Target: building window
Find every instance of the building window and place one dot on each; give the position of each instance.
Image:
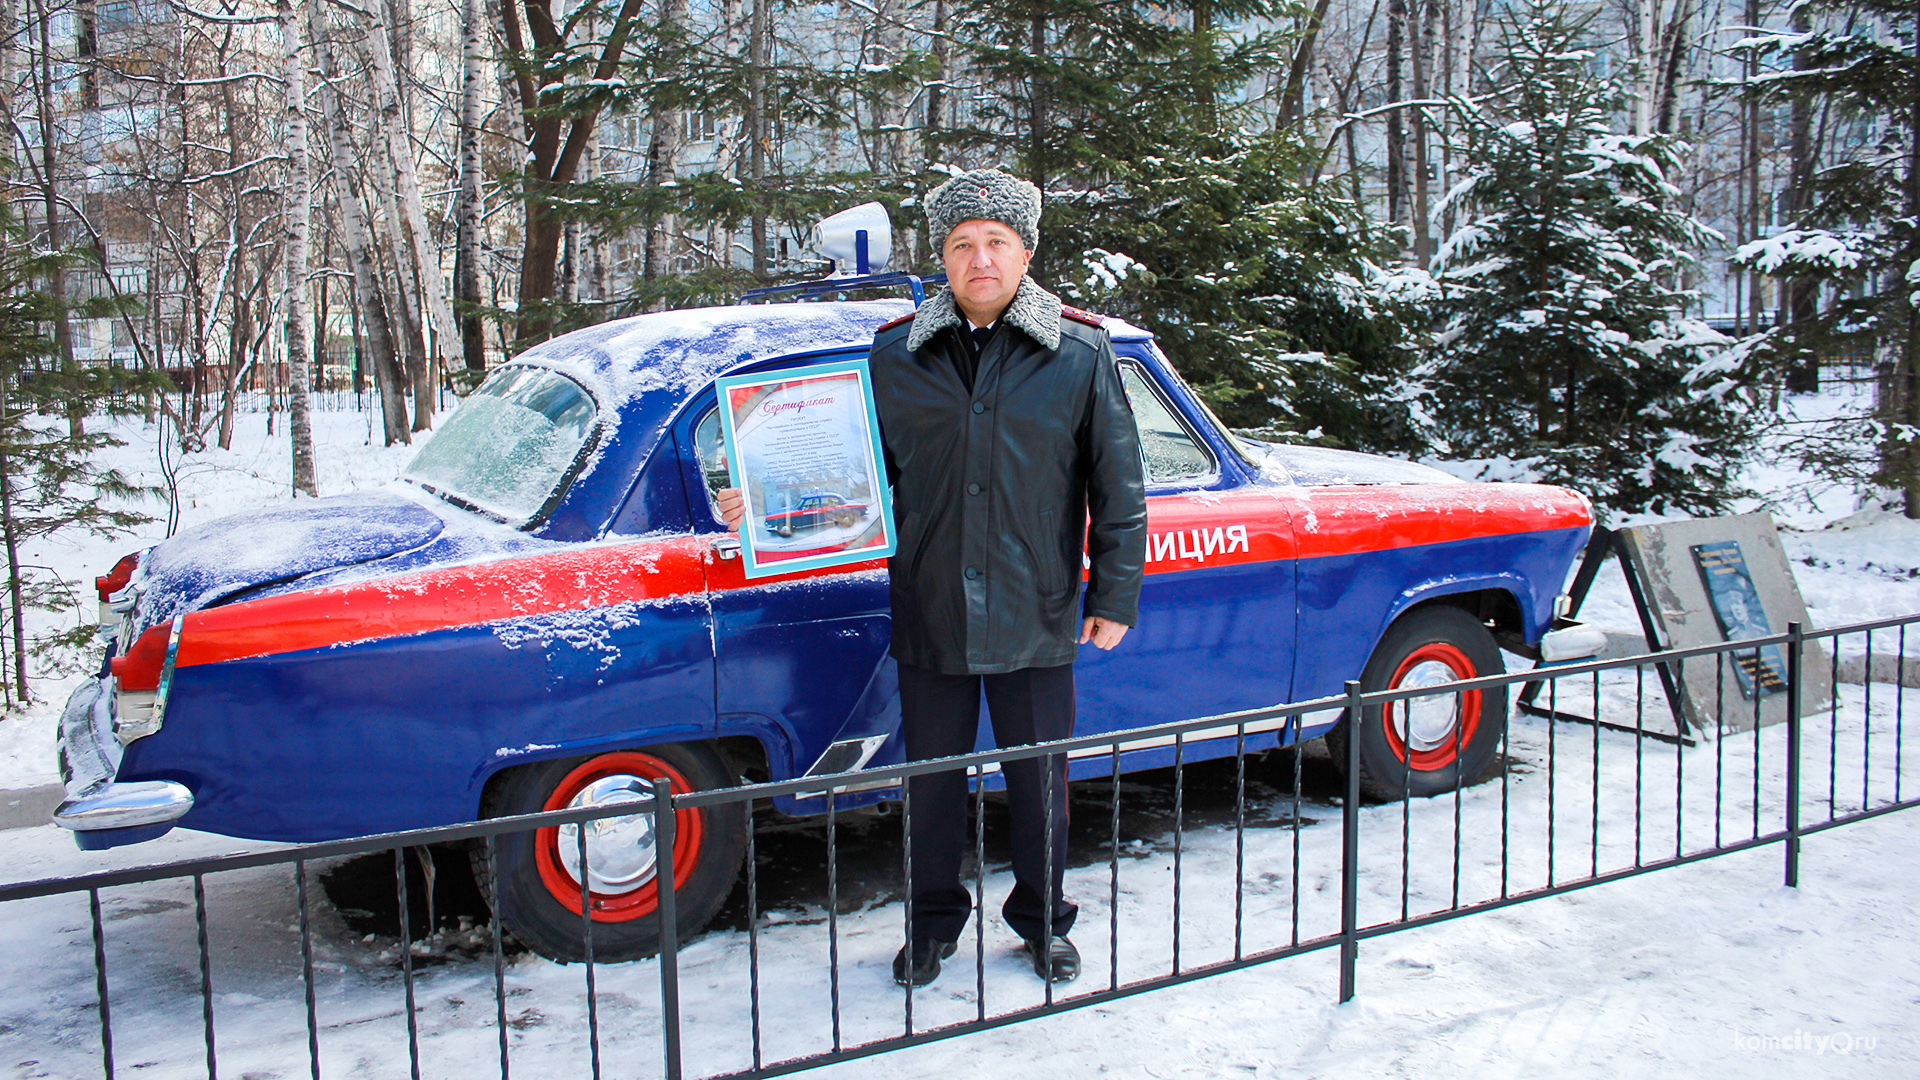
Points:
(698, 126)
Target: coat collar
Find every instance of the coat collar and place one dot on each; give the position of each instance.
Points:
(1034, 311)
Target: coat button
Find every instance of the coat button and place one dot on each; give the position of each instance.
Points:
(979, 408)
(972, 572)
(973, 489)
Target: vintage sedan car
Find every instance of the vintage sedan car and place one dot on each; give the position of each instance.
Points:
(546, 611)
(816, 510)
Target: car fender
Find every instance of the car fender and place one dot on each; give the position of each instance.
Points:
(1514, 585)
(510, 757)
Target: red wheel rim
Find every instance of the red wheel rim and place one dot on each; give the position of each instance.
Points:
(642, 899)
(1465, 706)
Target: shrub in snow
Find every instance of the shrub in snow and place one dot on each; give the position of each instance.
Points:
(1563, 342)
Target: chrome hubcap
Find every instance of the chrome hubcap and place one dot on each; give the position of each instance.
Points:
(1427, 723)
(620, 850)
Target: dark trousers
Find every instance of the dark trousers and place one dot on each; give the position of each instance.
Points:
(940, 717)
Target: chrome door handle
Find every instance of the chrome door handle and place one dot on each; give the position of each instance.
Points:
(726, 547)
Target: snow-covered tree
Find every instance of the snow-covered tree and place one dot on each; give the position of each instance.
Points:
(50, 477)
(1268, 291)
(1565, 350)
(1859, 235)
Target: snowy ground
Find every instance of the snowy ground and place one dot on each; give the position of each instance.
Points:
(1711, 970)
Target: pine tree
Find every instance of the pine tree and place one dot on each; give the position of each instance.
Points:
(49, 480)
(1170, 202)
(1859, 233)
(1564, 346)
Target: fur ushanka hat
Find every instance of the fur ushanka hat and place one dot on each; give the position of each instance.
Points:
(986, 195)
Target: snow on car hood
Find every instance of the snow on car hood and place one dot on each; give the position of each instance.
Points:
(207, 563)
(1319, 466)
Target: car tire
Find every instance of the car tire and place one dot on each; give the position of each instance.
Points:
(844, 521)
(1426, 746)
(537, 897)
(785, 530)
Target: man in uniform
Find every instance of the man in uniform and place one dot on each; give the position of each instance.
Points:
(1012, 449)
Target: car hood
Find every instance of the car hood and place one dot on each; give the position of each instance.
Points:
(218, 561)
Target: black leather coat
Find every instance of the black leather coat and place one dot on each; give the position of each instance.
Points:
(997, 489)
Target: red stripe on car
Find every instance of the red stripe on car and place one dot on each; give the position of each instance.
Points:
(1185, 532)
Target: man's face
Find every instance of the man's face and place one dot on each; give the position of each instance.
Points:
(984, 261)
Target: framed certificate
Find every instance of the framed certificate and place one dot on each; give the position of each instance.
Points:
(804, 447)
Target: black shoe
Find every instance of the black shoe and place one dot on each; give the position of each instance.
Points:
(927, 954)
(1056, 960)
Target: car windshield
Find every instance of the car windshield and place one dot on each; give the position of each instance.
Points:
(510, 443)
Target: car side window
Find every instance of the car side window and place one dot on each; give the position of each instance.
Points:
(712, 450)
(1171, 451)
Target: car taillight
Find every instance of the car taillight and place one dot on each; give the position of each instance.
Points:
(116, 579)
(112, 584)
(141, 678)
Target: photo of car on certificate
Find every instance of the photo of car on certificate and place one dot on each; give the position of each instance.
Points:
(804, 447)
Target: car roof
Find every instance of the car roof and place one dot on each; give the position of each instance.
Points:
(675, 353)
(678, 352)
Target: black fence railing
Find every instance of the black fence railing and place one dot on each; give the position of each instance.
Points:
(1208, 867)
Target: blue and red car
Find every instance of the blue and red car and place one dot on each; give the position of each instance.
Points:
(546, 611)
(816, 510)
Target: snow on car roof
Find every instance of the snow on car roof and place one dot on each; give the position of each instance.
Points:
(681, 351)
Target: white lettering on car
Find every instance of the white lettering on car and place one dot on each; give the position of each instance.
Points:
(1197, 544)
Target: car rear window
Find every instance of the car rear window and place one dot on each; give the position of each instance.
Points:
(510, 444)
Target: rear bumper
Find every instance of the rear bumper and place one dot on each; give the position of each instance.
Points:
(104, 812)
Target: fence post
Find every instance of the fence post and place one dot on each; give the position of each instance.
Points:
(663, 871)
(1795, 652)
(1350, 848)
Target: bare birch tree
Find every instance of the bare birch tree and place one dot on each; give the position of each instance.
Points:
(358, 242)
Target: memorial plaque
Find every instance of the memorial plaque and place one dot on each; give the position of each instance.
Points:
(1711, 580)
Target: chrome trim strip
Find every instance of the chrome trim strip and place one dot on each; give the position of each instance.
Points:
(87, 745)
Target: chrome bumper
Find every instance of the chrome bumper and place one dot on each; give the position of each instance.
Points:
(90, 757)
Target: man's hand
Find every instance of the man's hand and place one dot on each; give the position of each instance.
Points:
(1104, 633)
(733, 507)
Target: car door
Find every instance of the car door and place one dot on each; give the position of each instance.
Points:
(1217, 608)
(800, 660)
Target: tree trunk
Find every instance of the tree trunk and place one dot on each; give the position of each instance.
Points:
(1290, 113)
(1036, 106)
(1204, 58)
(937, 87)
(663, 163)
(1906, 414)
(757, 131)
(1801, 296)
(299, 211)
(47, 107)
(1422, 62)
(9, 531)
(403, 304)
(366, 289)
(1396, 123)
(1751, 167)
(554, 148)
(391, 117)
(466, 258)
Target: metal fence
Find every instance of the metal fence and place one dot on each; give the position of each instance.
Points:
(1571, 805)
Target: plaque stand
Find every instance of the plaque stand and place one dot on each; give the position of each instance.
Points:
(1606, 544)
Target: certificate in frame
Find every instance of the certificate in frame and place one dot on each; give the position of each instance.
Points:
(803, 447)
